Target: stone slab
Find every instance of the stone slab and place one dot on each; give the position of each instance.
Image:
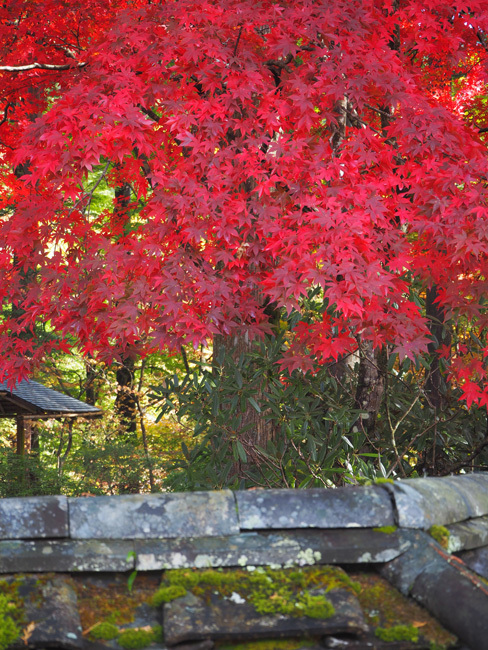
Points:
(457, 601)
(191, 619)
(423, 502)
(477, 561)
(65, 555)
(348, 507)
(283, 548)
(139, 516)
(404, 570)
(467, 535)
(51, 618)
(33, 517)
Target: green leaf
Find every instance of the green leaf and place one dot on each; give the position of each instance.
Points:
(254, 404)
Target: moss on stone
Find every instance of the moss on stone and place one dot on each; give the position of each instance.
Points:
(167, 594)
(134, 639)
(105, 630)
(292, 592)
(440, 534)
(386, 607)
(382, 481)
(268, 644)
(11, 612)
(398, 633)
(388, 530)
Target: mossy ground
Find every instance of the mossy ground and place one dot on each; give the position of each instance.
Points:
(386, 608)
(11, 613)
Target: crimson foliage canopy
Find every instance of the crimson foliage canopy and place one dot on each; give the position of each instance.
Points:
(255, 151)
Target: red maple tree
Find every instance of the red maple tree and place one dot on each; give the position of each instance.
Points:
(255, 150)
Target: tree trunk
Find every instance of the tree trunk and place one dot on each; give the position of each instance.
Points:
(370, 387)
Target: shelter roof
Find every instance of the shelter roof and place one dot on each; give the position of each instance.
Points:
(398, 565)
(31, 399)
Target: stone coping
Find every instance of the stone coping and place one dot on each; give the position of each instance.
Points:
(413, 503)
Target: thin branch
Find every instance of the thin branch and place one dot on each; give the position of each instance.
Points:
(238, 39)
(5, 113)
(41, 66)
(150, 113)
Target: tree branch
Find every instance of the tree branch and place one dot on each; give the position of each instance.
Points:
(41, 66)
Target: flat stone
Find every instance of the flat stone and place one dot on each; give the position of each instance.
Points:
(283, 548)
(468, 534)
(65, 555)
(33, 517)
(139, 516)
(477, 561)
(51, 618)
(423, 502)
(191, 618)
(348, 507)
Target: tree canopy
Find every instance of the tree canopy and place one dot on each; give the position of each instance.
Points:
(252, 152)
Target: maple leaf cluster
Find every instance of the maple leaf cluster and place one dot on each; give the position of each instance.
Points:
(262, 150)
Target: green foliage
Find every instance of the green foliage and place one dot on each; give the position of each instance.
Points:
(398, 633)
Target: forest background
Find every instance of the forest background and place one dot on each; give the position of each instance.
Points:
(255, 234)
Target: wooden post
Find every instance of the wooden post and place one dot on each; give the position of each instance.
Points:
(20, 435)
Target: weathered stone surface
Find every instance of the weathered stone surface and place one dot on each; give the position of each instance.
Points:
(348, 507)
(423, 502)
(403, 570)
(33, 517)
(477, 561)
(468, 534)
(65, 555)
(284, 548)
(458, 602)
(51, 618)
(474, 490)
(141, 516)
(190, 618)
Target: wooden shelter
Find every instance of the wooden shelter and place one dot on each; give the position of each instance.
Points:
(30, 401)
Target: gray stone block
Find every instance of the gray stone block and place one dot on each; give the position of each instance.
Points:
(456, 600)
(139, 516)
(65, 555)
(468, 534)
(474, 490)
(477, 561)
(50, 616)
(33, 517)
(423, 502)
(349, 507)
(191, 619)
(284, 548)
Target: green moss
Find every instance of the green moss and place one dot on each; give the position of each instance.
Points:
(291, 592)
(167, 594)
(11, 613)
(382, 481)
(388, 530)
(135, 639)
(398, 633)
(268, 644)
(105, 630)
(440, 534)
